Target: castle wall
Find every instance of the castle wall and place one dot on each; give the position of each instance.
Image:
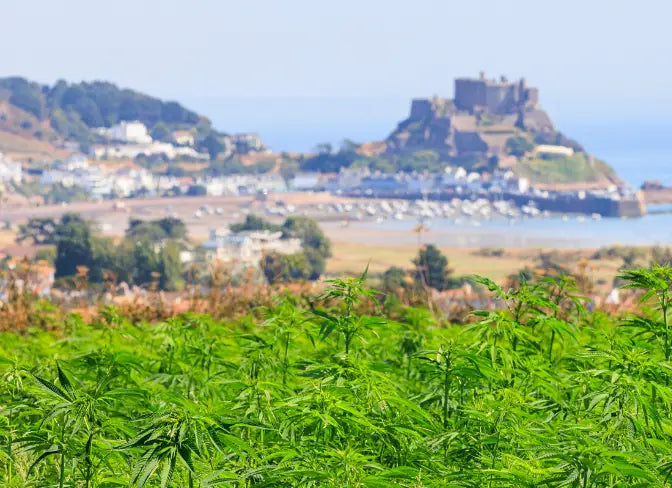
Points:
(496, 97)
(532, 97)
(469, 93)
(421, 108)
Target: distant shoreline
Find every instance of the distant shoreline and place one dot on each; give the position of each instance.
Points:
(535, 233)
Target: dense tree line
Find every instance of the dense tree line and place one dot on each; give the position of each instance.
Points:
(72, 109)
(328, 160)
(148, 255)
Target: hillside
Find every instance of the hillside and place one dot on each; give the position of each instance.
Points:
(64, 112)
(496, 123)
(487, 125)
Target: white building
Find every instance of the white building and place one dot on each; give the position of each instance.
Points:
(248, 142)
(248, 247)
(549, 150)
(132, 151)
(349, 178)
(68, 173)
(10, 171)
(183, 137)
(126, 131)
(306, 181)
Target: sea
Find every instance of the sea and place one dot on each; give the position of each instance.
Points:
(636, 140)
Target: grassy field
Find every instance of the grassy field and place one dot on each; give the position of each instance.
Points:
(352, 258)
(574, 169)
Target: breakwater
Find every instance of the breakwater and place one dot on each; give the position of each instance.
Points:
(557, 202)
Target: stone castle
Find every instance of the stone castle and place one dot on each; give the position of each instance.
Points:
(476, 124)
(495, 97)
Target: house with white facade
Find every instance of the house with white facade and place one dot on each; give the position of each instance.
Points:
(247, 247)
(126, 131)
(10, 171)
(184, 137)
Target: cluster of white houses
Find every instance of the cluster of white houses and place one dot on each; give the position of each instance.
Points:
(122, 181)
(131, 139)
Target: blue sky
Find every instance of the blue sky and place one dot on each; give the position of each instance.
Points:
(571, 48)
(340, 64)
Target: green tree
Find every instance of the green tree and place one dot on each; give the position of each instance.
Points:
(283, 268)
(146, 262)
(432, 268)
(74, 247)
(254, 223)
(420, 161)
(288, 169)
(161, 132)
(212, 145)
(42, 230)
(109, 257)
(393, 280)
(518, 146)
(170, 267)
(309, 232)
(156, 230)
(197, 191)
(316, 263)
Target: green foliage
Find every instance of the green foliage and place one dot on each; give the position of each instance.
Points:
(431, 268)
(308, 230)
(211, 144)
(197, 191)
(233, 166)
(328, 161)
(535, 392)
(150, 253)
(254, 223)
(170, 267)
(308, 264)
(558, 139)
(161, 132)
(518, 146)
(157, 230)
(72, 109)
(576, 168)
(283, 268)
(41, 230)
(25, 95)
(60, 193)
(420, 161)
(74, 246)
(288, 169)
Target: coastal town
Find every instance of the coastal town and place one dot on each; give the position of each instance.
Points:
(489, 154)
(492, 142)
